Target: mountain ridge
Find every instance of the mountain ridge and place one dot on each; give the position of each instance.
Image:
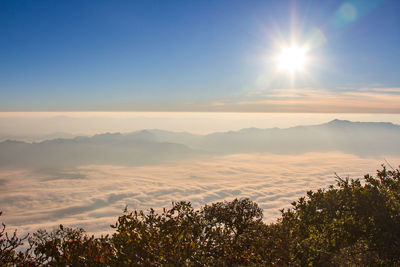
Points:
(155, 146)
(334, 122)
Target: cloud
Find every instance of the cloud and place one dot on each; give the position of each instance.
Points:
(32, 200)
(364, 100)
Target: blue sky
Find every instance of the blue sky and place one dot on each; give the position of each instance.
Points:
(198, 56)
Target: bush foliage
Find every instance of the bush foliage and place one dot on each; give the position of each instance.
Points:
(352, 223)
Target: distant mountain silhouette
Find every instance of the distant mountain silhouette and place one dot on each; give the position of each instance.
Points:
(360, 138)
(156, 146)
(132, 149)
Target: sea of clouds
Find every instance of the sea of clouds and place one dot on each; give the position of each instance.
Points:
(94, 196)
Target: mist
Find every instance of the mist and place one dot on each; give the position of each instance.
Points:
(86, 180)
(93, 196)
(39, 126)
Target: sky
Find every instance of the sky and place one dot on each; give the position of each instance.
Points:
(199, 56)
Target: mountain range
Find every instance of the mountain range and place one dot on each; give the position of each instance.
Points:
(144, 147)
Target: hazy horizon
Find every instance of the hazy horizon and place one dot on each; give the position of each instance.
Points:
(37, 126)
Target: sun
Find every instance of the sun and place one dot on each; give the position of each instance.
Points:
(292, 58)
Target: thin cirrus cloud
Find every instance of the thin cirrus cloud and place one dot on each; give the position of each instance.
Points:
(364, 100)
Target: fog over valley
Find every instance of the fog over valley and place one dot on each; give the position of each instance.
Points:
(93, 196)
(87, 181)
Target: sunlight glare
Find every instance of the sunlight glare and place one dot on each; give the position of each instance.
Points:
(292, 58)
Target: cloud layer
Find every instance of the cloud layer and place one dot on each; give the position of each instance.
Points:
(364, 100)
(94, 196)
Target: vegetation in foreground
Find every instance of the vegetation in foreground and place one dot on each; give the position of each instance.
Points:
(352, 223)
